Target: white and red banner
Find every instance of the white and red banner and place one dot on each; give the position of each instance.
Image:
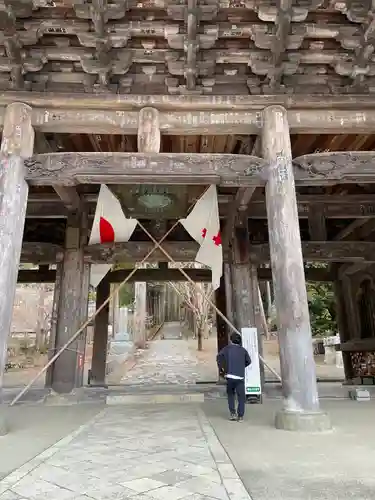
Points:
(110, 226)
(203, 224)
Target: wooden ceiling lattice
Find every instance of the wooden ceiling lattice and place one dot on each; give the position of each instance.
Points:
(220, 47)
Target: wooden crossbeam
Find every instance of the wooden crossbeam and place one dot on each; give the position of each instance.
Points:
(334, 206)
(49, 275)
(195, 121)
(328, 251)
(185, 251)
(68, 169)
(114, 102)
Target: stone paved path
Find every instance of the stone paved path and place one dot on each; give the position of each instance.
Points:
(168, 361)
(144, 453)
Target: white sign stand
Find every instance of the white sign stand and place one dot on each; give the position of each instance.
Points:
(253, 385)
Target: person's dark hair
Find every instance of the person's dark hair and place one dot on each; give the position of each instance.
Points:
(236, 338)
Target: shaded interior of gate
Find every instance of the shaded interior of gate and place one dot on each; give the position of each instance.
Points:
(333, 220)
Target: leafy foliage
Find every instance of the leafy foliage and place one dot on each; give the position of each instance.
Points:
(322, 308)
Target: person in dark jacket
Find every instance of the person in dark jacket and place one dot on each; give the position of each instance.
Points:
(232, 360)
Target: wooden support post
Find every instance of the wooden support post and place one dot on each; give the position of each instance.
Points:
(115, 314)
(64, 373)
(301, 403)
(140, 311)
(221, 326)
(54, 319)
(343, 322)
(99, 350)
(245, 288)
(317, 223)
(16, 145)
(228, 292)
(81, 342)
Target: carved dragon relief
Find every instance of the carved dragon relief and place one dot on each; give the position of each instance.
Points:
(75, 168)
(345, 166)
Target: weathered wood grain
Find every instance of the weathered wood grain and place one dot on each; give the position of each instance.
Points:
(99, 351)
(296, 354)
(157, 168)
(64, 372)
(334, 206)
(135, 251)
(199, 122)
(159, 275)
(329, 251)
(185, 251)
(41, 253)
(311, 274)
(50, 276)
(67, 169)
(342, 167)
(17, 144)
(148, 131)
(114, 102)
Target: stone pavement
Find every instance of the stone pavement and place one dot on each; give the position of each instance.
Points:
(137, 453)
(168, 361)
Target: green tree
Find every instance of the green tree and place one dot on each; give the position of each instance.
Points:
(322, 306)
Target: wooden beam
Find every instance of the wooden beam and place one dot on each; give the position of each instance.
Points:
(239, 204)
(114, 102)
(69, 196)
(41, 253)
(195, 121)
(317, 223)
(67, 169)
(185, 251)
(311, 274)
(328, 251)
(135, 251)
(335, 206)
(164, 274)
(157, 275)
(350, 228)
(341, 167)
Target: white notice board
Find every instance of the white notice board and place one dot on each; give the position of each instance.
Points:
(252, 372)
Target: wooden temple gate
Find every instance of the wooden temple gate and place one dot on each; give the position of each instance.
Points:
(270, 100)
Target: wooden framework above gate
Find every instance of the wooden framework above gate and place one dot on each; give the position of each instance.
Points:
(190, 47)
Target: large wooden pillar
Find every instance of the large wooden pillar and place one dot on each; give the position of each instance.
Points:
(246, 311)
(343, 321)
(221, 326)
(301, 404)
(140, 312)
(54, 318)
(99, 351)
(17, 144)
(81, 343)
(70, 311)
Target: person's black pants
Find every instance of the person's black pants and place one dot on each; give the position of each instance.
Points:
(236, 386)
